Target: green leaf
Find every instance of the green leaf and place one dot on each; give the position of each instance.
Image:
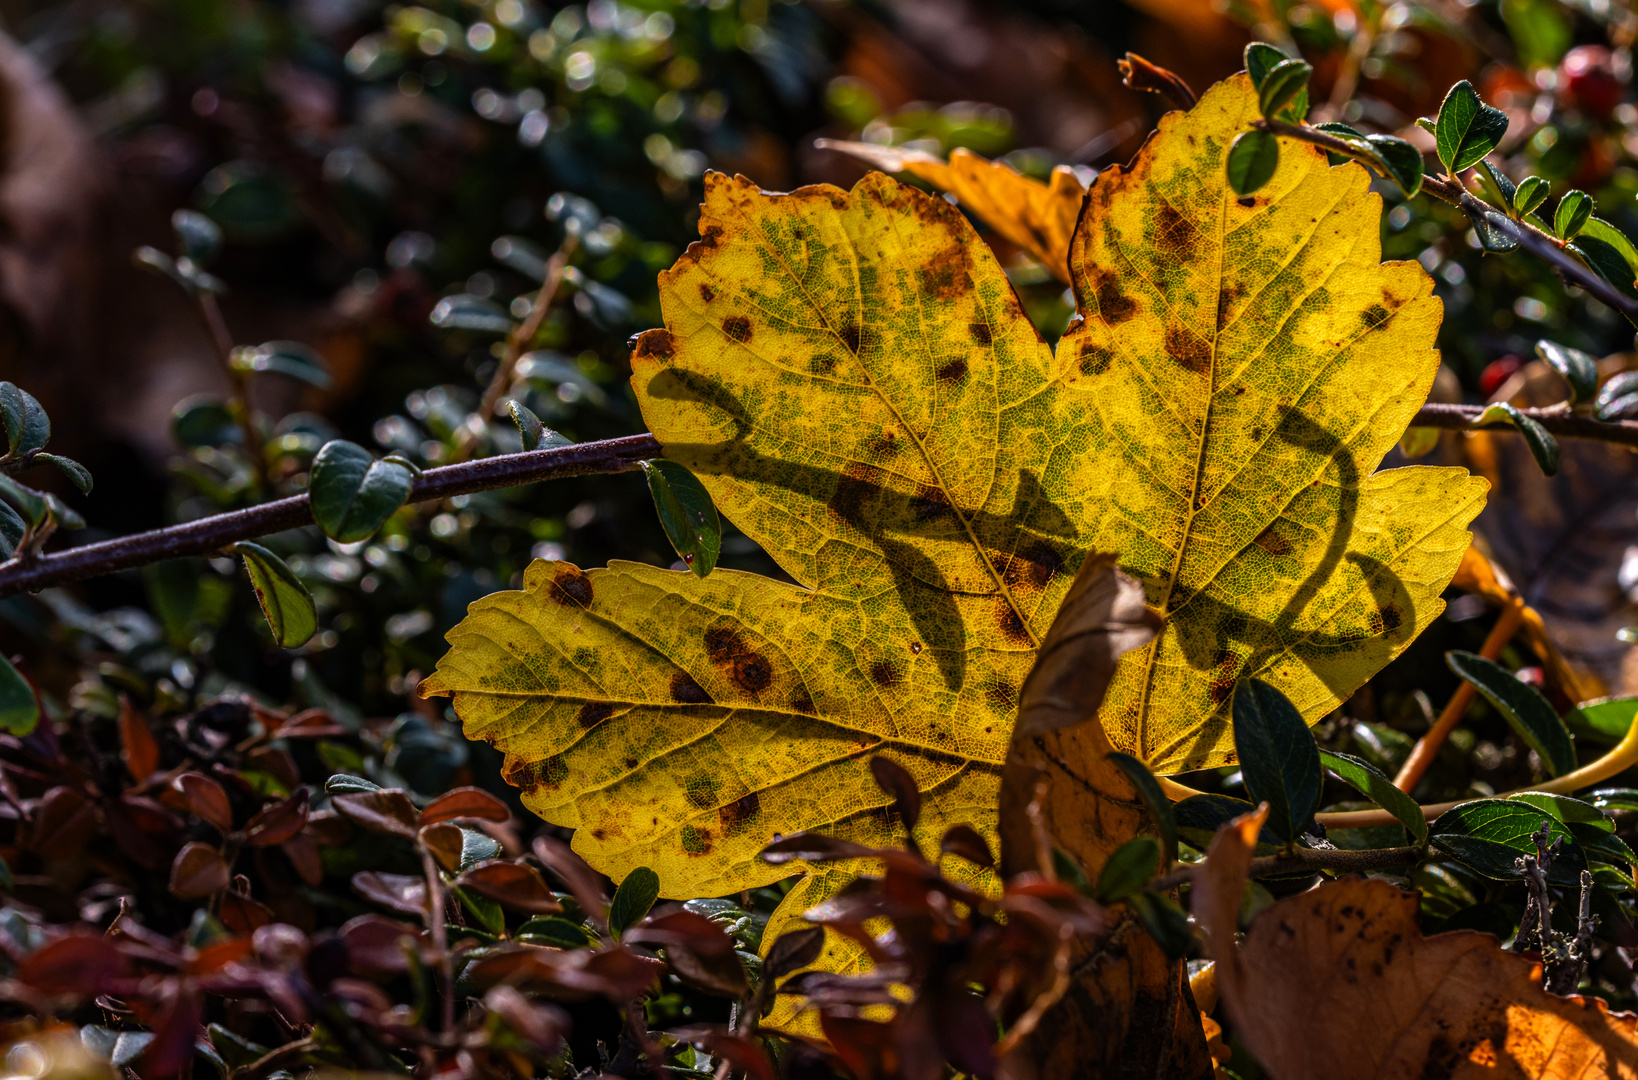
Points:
(686, 512)
(342, 784)
(1166, 923)
(28, 428)
(1543, 447)
(555, 932)
(288, 358)
(12, 529)
(1374, 784)
(1610, 264)
(1578, 369)
(197, 236)
(1278, 92)
(468, 312)
(1467, 128)
(1252, 160)
(1571, 216)
(1605, 720)
(1532, 192)
(1491, 228)
(19, 708)
(285, 601)
(203, 420)
(25, 500)
(77, 473)
(1279, 761)
(1129, 868)
(352, 494)
(1069, 871)
(489, 914)
(1529, 713)
(1486, 835)
(1565, 809)
(1154, 799)
(1404, 161)
(64, 515)
(1615, 798)
(536, 435)
(633, 898)
(1426, 125)
(1500, 184)
(477, 847)
(1200, 816)
(1341, 131)
(1622, 408)
(1260, 59)
(1601, 846)
(1596, 228)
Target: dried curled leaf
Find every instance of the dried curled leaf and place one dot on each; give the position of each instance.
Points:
(1339, 982)
(1040, 218)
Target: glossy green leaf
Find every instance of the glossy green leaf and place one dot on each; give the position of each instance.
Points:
(65, 516)
(1277, 93)
(1530, 714)
(1498, 183)
(286, 603)
(1252, 161)
(12, 529)
(1342, 131)
(1154, 799)
(1260, 59)
(1568, 810)
(28, 428)
(1615, 799)
(197, 236)
(1279, 760)
(1578, 369)
(468, 312)
(342, 784)
(1610, 264)
(1374, 784)
(1200, 816)
(1622, 408)
(203, 420)
(1532, 192)
(477, 847)
(487, 912)
(352, 494)
(1166, 922)
(535, 435)
(1491, 227)
(1069, 871)
(687, 513)
(1404, 161)
(1128, 869)
(1543, 447)
(555, 932)
(28, 503)
(633, 899)
(1624, 384)
(1596, 228)
(1486, 835)
(77, 474)
(1573, 211)
(291, 359)
(1467, 129)
(1601, 846)
(19, 708)
(1605, 720)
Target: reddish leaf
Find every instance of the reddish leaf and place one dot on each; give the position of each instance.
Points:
(277, 823)
(511, 884)
(206, 799)
(814, 847)
(465, 802)
(144, 831)
(138, 749)
(304, 858)
(861, 1044)
(378, 947)
(573, 871)
(281, 945)
(623, 973)
(897, 782)
(328, 828)
(698, 951)
(276, 763)
(197, 872)
(241, 914)
(444, 842)
(219, 954)
(63, 824)
(963, 840)
(174, 1037)
(400, 892)
(542, 1026)
(744, 1054)
(793, 951)
(81, 963)
(386, 811)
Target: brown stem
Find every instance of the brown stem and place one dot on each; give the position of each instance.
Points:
(520, 337)
(440, 937)
(212, 311)
(1451, 191)
(212, 534)
(1428, 746)
(1300, 859)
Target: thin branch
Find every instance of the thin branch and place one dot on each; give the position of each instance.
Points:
(211, 534)
(1300, 859)
(1447, 190)
(1558, 421)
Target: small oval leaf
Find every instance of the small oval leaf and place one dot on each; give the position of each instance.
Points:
(687, 513)
(1487, 835)
(1529, 713)
(1252, 161)
(1279, 760)
(1543, 447)
(286, 603)
(1374, 784)
(1128, 869)
(1578, 369)
(352, 494)
(633, 899)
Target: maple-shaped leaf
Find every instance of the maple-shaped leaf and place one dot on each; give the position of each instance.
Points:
(854, 381)
(1038, 217)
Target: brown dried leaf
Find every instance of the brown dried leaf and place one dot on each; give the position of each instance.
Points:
(793, 951)
(444, 842)
(744, 1054)
(465, 802)
(379, 947)
(512, 885)
(1129, 1012)
(243, 915)
(965, 841)
(386, 811)
(206, 800)
(400, 892)
(698, 951)
(63, 825)
(277, 823)
(198, 871)
(138, 749)
(1339, 982)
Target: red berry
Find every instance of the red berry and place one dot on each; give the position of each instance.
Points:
(1497, 372)
(1587, 80)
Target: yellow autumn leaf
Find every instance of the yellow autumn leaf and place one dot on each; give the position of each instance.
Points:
(854, 381)
(1040, 218)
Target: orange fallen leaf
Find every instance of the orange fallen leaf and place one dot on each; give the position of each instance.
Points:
(1339, 982)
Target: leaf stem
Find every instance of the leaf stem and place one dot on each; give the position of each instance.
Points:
(1450, 190)
(212, 312)
(1300, 859)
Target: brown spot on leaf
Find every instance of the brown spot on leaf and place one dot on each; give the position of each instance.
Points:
(593, 713)
(696, 841)
(1114, 305)
(1041, 563)
(944, 277)
(954, 371)
(885, 673)
(1247, 201)
(723, 643)
(752, 673)
(980, 332)
(851, 338)
(803, 703)
(737, 327)
(1003, 697)
(571, 586)
(747, 669)
(531, 776)
(1272, 542)
(659, 344)
(1375, 316)
(1174, 233)
(884, 445)
(1012, 625)
(929, 502)
(686, 691)
(1385, 618)
(739, 813)
(1188, 350)
(1095, 358)
(1225, 672)
(707, 293)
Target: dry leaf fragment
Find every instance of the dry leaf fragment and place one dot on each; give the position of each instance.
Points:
(1339, 982)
